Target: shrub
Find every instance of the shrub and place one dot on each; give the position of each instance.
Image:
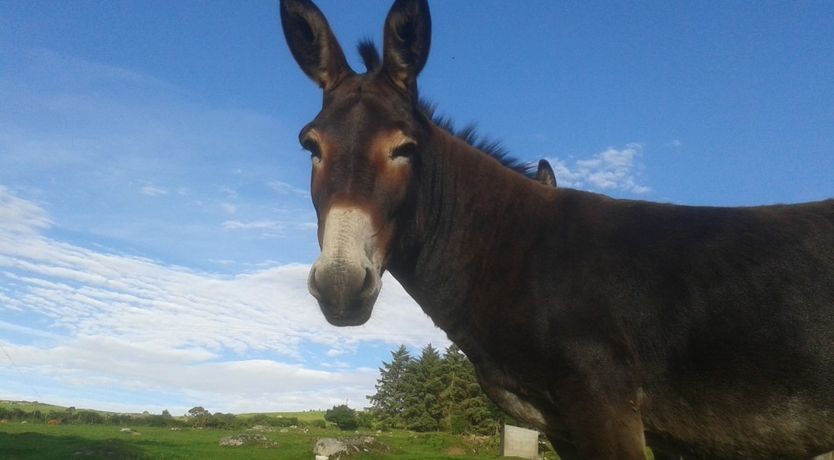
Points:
(343, 416)
(317, 423)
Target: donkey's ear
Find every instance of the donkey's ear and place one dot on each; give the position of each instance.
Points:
(312, 43)
(407, 38)
(545, 173)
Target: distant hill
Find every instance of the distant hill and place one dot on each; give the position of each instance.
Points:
(30, 406)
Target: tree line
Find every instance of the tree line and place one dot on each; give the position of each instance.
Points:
(196, 417)
(432, 392)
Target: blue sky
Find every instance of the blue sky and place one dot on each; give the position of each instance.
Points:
(155, 223)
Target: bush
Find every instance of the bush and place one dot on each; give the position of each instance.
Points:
(343, 416)
(90, 418)
(284, 421)
(365, 419)
(317, 423)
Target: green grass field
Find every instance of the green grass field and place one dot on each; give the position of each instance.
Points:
(41, 441)
(29, 406)
(33, 441)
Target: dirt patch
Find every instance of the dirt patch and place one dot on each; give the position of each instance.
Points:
(455, 451)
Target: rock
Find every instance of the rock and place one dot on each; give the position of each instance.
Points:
(262, 428)
(231, 441)
(176, 428)
(247, 439)
(125, 430)
(337, 449)
(284, 430)
(329, 446)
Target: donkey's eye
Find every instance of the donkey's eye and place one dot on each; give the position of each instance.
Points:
(404, 150)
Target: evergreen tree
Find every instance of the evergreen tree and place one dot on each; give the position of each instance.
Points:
(456, 389)
(423, 383)
(389, 401)
(466, 409)
(433, 393)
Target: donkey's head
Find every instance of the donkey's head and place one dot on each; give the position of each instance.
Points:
(364, 146)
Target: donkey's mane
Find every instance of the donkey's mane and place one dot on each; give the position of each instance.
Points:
(371, 58)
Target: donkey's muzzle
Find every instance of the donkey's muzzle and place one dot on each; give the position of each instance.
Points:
(346, 292)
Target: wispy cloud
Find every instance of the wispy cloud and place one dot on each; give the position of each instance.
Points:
(19, 216)
(151, 190)
(229, 192)
(285, 188)
(109, 146)
(611, 169)
(233, 342)
(265, 228)
(307, 226)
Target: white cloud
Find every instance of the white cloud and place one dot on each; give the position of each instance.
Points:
(609, 170)
(235, 343)
(229, 192)
(333, 352)
(266, 228)
(151, 190)
(307, 226)
(18, 216)
(285, 188)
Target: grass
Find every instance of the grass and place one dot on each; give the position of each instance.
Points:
(27, 406)
(40, 441)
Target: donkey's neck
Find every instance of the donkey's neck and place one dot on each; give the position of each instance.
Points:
(472, 213)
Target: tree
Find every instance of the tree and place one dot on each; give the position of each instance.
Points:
(343, 416)
(466, 408)
(199, 416)
(197, 411)
(366, 419)
(433, 393)
(456, 390)
(90, 417)
(389, 401)
(422, 384)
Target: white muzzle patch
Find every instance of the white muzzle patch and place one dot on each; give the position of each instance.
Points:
(346, 277)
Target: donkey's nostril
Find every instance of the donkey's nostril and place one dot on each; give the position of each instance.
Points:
(339, 284)
(369, 281)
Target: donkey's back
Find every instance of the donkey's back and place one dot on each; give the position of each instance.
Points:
(729, 313)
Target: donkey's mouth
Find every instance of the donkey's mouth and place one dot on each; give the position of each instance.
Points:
(339, 318)
(345, 295)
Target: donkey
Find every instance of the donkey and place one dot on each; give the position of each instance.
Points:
(605, 323)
